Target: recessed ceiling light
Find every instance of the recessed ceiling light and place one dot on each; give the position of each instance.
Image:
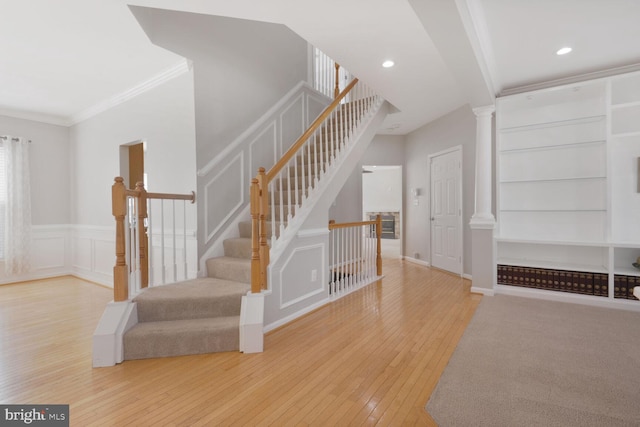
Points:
(563, 51)
(388, 63)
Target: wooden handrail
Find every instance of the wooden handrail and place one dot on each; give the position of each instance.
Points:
(273, 172)
(170, 196)
(260, 196)
(378, 223)
(333, 225)
(165, 196)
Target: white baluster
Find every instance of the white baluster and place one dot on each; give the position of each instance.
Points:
(184, 238)
(162, 241)
(175, 263)
(150, 250)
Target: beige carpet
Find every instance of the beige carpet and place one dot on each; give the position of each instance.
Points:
(528, 362)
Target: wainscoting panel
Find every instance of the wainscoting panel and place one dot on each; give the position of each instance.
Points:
(267, 139)
(46, 253)
(292, 123)
(223, 196)
(302, 275)
(50, 254)
(262, 151)
(93, 253)
(315, 106)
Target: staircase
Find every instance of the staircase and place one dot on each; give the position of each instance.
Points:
(203, 315)
(195, 316)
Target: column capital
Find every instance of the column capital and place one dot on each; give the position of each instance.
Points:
(485, 110)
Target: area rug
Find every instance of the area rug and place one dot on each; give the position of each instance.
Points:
(529, 362)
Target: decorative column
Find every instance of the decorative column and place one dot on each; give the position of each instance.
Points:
(483, 250)
(482, 217)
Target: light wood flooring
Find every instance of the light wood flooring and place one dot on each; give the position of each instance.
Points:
(372, 357)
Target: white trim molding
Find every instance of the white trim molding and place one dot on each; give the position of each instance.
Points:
(170, 73)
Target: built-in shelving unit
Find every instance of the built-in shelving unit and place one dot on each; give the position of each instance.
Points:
(567, 196)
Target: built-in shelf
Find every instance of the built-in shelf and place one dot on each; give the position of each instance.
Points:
(553, 210)
(567, 182)
(625, 134)
(578, 178)
(552, 146)
(625, 105)
(587, 268)
(544, 125)
(552, 242)
(627, 271)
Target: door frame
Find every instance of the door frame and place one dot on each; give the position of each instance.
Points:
(125, 161)
(400, 207)
(459, 149)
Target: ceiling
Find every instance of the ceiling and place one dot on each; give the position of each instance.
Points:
(61, 62)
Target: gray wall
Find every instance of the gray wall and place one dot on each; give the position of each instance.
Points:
(456, 128)
(242, 68)
(383, 150)
(49, 168)
(164, 118)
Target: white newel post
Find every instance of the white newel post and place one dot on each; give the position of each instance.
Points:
(483, 222)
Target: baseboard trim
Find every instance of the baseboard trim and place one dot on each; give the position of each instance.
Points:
(483, 291)
(97, 278)
(566, 297)
(281, 322)
(417, 261)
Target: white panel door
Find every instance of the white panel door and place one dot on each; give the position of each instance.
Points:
(446, 211)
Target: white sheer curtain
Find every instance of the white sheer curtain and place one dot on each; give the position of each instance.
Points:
(17, 238)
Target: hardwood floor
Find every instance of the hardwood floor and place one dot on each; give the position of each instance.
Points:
(372, 357)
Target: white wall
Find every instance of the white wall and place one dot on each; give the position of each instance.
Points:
(382, 189)
(384, 150)
(49, 163)
(456, 128)
(163, 117)
(50, 207)
(242, 68)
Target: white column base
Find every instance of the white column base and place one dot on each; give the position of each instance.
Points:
(483, 261)
(251, 323)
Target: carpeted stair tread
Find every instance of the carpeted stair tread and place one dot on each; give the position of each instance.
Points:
(230, 268)
(197, 298)
(238, 247)
(182, 337)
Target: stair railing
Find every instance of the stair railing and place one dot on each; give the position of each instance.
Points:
(134, 244)
(280, 192)
(328, 77)
(355, 258)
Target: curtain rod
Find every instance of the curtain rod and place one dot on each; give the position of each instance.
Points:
(13, 138)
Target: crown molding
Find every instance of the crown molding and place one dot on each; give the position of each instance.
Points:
(35, 117)
(474, 23)
(176, 70)
(610, 72)
(170, 73)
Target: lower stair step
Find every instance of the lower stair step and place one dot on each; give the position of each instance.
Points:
(230, 268)
(181, 337)
(203, 297)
